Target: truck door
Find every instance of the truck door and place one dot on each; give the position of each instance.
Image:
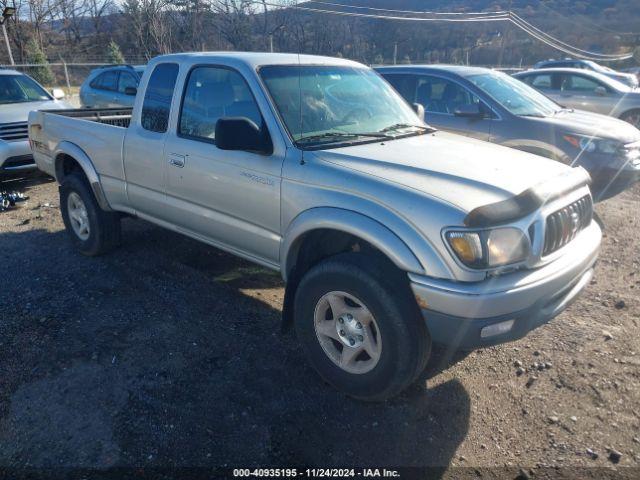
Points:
(144, 163)
(231, 198)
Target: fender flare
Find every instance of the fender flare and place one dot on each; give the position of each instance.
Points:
(75, 152)
(351, 222)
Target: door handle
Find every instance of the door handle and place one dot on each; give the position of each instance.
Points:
(177, 160)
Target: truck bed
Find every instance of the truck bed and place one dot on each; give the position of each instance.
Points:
(117, 117)
(98, 133)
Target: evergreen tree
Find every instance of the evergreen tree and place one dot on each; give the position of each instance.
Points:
(114, 54)
(42, 74)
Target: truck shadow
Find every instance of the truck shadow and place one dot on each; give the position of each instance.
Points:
(166, 353)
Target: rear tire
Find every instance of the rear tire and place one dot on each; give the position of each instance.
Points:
(376, 342)
(92, 230)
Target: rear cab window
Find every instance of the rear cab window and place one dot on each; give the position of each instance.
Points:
(157, 97)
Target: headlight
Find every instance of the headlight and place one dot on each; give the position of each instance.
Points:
(489, 248)
(594, 144)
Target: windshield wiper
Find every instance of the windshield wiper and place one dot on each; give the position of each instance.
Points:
(563, 110)
(535, 115)
(321, 136)
(398, 126)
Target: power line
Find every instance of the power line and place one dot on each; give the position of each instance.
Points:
(362, 7)
(564, 47)
(493, 18)
(555, 40)
(509, 16)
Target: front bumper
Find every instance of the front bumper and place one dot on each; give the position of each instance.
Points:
(456, 313)
(16, 157)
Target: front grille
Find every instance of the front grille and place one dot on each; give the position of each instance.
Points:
(14, 131)
(563, 225)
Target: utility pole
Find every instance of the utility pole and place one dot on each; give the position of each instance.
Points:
(8, 12)
(504, 38)
(271, 42)
(6, 41)
(395, 53)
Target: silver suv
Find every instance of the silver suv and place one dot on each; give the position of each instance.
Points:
(19, 94)
(111, 86)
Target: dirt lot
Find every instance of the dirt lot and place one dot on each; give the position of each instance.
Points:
(168, 353)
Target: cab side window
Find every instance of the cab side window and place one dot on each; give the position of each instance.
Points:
(212, 93)
(106, 81)
(157, 97)
(439, 95)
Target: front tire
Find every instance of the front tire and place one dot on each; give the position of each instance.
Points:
(361, 327)
(92, 230)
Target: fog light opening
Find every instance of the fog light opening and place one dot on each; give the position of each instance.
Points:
(496, 329)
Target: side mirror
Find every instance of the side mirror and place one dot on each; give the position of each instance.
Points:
(57, 93)
(419, 109)
(600, 91)
(130, 91)
(471, 110)
(240, 133)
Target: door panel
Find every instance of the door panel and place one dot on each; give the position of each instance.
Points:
(229, 197)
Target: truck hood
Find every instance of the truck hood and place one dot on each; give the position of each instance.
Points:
(593, 124)
(464, 172)
(19, 112)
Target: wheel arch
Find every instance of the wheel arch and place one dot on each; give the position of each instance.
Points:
(322, 232)
(68, 158)
(348, 224)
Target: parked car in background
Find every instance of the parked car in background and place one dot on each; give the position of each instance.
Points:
(627, 78)
(111, 86)
(495, 107)
(389, 235)
(19, 94)
(586, 90)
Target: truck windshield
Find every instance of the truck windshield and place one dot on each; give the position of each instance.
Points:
(333, 105)
(20, 89)
(517, 97)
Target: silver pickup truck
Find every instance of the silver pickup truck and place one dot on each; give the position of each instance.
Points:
(388, 234)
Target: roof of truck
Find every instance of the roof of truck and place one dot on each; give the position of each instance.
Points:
(257, 59)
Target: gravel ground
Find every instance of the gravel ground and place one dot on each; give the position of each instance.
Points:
(168, 353)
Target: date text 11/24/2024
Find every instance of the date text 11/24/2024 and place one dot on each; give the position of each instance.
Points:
(316, 473)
